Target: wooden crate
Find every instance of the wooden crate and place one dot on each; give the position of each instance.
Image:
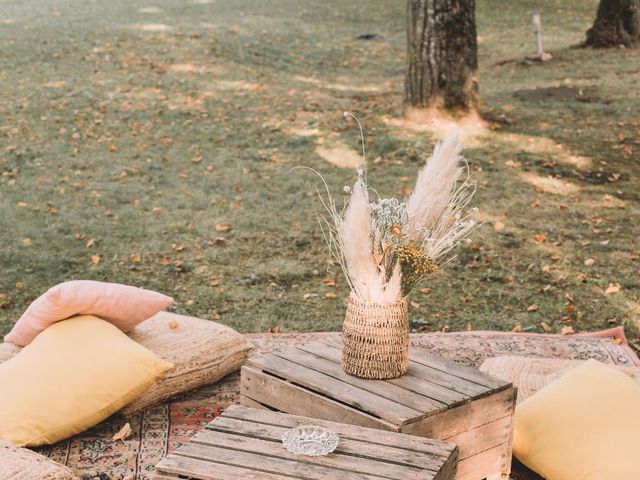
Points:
(244, 443)
(437, 398)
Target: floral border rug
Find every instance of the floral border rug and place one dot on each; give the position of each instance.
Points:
(159, 430)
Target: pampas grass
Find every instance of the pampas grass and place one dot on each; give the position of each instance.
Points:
(386, 248)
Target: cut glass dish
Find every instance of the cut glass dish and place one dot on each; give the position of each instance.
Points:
(311, 440)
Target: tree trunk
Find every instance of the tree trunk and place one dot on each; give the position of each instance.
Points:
(442, 54)
(617, 23)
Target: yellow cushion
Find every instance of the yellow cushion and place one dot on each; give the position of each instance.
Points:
(73, 375)
(583, 426)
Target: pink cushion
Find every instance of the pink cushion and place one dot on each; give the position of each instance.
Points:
(122, 305)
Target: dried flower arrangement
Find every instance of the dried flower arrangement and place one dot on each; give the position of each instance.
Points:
(386, 247)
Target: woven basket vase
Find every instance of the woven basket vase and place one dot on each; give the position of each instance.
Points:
(375, 339)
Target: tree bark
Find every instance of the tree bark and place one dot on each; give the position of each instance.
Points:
(617, 23)
(442, 54)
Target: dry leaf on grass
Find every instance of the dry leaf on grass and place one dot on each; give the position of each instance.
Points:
(545, 326)
(223, 228)
(95, 259)
(589, 262)
(612, 288)
(532, 308)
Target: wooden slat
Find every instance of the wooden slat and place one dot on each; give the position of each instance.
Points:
(482, 438)
(284, 396)
(439, 363)
(494, 461)
(422, 380)
(426, 388)
(308, 358)
(356, 397)
(178, 467)
(454, 384)
(360, 448)
(458, 370)
(465, 417)
(369, 463)
(391, 439)
(251, 403)
(269, 464)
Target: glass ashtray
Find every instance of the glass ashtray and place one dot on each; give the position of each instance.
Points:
(311, 440)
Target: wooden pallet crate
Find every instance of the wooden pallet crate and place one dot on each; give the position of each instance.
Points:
(244, 443)
(437, 398)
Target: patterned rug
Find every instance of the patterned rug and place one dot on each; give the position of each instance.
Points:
(157, 431)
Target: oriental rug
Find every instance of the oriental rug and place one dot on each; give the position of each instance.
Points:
(94, 455)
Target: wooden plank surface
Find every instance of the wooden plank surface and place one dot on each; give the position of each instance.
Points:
(465, 417)
(458, 370)
(418, 386)
(334, 388)
(479, 439)
(371, 460)
(486, 464)
(246, 443)
(290, 398)
(391, 439)
(319, 357)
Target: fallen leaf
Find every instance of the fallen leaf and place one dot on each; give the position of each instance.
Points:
(274, 329)
(540, 238)
(545, 326)
(135, 258)
(223, 228)
(612, 288)
(498, 226)
(26, 242)
(532, 308)
(330, 295)
(415, 305)
(214, 282)
(329, 281)
(90, 242)
(567, 330)
(165, 261)
(555, 258)
(123, 433)
(517, 329)
(95, 259)
(425, 290)
(173, 324)
(512, 164)
(589, 262)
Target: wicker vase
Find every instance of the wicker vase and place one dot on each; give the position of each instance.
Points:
(375, 339)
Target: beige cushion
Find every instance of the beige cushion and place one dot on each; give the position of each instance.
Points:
(583, 426)
(8, 350)
(531, 374)
(18, 463)
(201, 351)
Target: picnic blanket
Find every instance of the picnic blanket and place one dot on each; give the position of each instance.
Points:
(159, 430)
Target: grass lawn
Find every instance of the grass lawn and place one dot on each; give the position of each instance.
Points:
(152, 143)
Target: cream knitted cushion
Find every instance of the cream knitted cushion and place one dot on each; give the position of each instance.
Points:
(201, 351)
(17, 463)
(531, 374)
